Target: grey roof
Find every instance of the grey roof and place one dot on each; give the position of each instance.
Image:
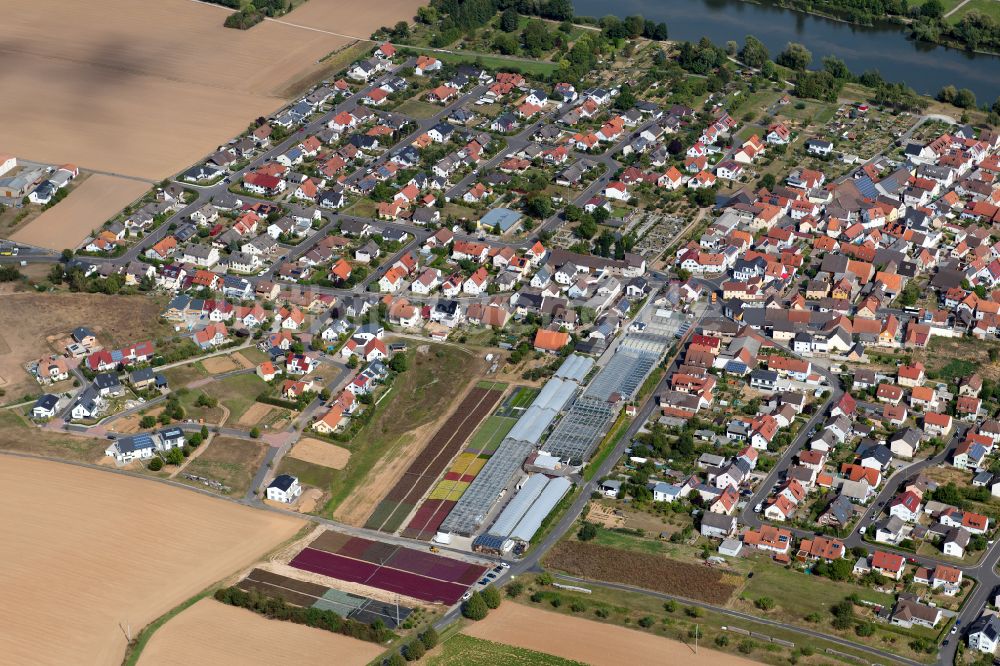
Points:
(575, 367)
(841, 509)
(516, 508)
(988, 625)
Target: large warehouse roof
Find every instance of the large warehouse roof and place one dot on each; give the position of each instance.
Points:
(532, 520)
(575, 368)
(519, 505)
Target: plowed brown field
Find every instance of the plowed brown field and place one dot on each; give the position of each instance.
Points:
(652, 572)
(213, 633)
(147, 88)
(87, 553)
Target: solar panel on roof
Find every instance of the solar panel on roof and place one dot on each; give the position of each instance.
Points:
(866, 187)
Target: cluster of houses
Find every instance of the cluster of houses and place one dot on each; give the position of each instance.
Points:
(38, 183)
(145, 445)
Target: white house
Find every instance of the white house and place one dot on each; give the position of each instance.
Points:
(285, 488)
(133, 447)
(984, 634)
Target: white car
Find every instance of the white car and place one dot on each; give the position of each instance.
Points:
(757, 508)
(466, 596)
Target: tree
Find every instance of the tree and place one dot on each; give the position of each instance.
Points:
(539, 206)
(398, 363)
(536, 38)
(155, 464)
(396, 659)
(965, 99)
(587, 532)
(767, 181)
(147, 421)
(505, 43)
(175, 457)
(932, 9)
(491, 597)
(795, 56)
(475, 608)
(947, 94)
(732, 47)
(836, 67)
(255, 432)
(429, 637)
(509, 20)
(754, 53)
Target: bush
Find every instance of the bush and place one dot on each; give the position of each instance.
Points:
(670, 606)
(147, 422)
(587, 532)
(395, 659)
(255, 432)
(601, 613)
(537, 597)
(864, 629)
(475, 608)
(557, 602)
(155, 464)
(414, 650)
(514, 589)
(746, 646)
(175, 457)
(491, 596)
(577, 607)
(646, 622)
(764, 603)
(722, 640)
(429, 638)
(692, 611)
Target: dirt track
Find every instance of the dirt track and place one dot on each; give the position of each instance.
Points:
(212, 633)
(589, 641)
(86, 552)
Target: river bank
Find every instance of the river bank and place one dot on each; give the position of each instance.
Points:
(923, 66)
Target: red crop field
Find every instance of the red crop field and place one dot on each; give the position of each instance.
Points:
(645, 570)
(424, 576)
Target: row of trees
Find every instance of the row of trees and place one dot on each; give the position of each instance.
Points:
(279, 609)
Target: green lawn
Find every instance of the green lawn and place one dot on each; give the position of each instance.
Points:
(308, 474)
(797, 594)
(462, 650)
(183, 375)
(526, 67)
(236, 393)
(489, 435)
(524, 397)
(990, 8)
(417, 108)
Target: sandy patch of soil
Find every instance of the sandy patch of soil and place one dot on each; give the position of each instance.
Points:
(255, 414)
(85, 209)
(210, 632)
(322, 453)
(64, 603)
(604, 516)
(217, 365)
(589, 641)
(310, 498)
(241, 360)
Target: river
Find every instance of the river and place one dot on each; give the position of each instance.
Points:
(924, 67)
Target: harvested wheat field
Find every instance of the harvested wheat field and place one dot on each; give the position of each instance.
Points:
(589, 641)
(87, 550)
(86, 208)
(210, 632)
(117, 321)
(147, 88)
(321, 453)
